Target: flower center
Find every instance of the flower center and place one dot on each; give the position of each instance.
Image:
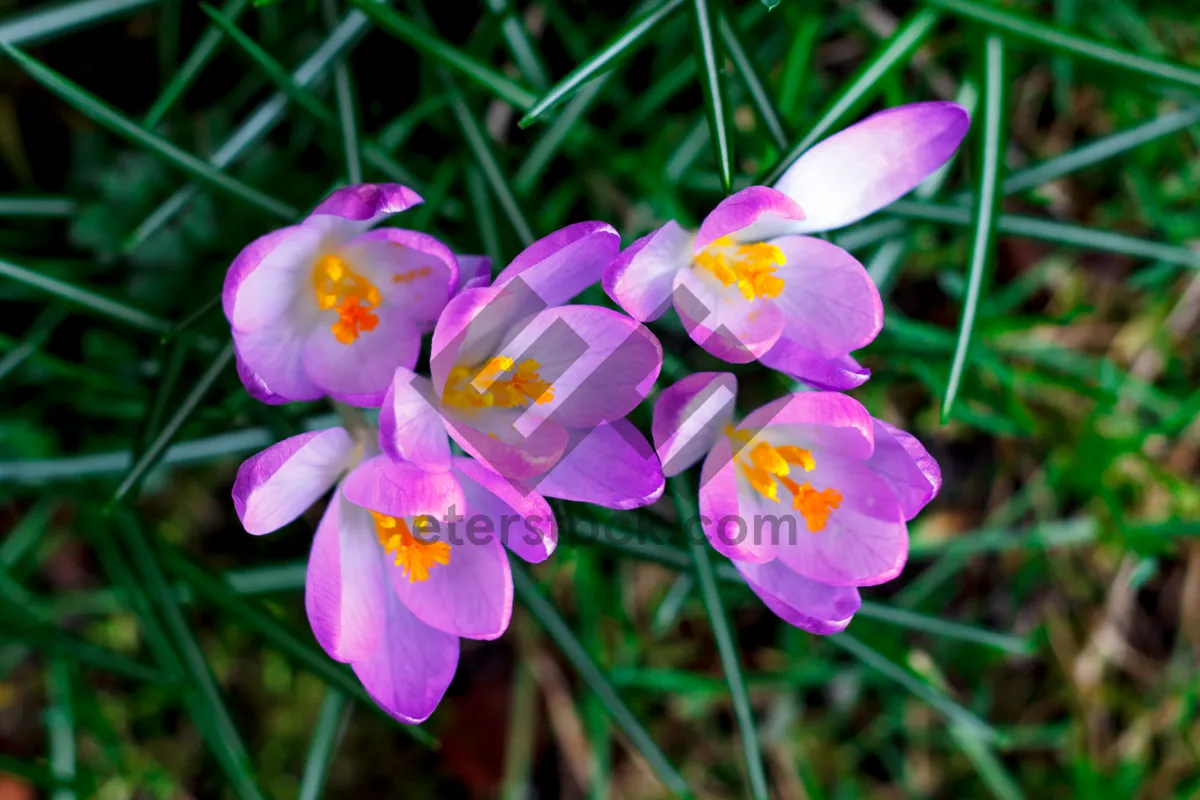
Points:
(521, 387)
(750, 266)
(768, 466)
(337, 286)
(413, 556)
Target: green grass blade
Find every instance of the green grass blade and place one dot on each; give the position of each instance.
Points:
(860, 88)
(485, 218)
(672, 604)
(206, 47)
(620, 46)
(538, 158)
(327, 732)
(343, 88)
(753, 81)
(558, 630)
(428, 44)
(1062, 68)
(519, 739)
(599, 734)
(716, 98)
(718, 618)
(935, 626)
(27, 533)
(60, 723)
(41, 329)
(520, 46)
(37, 207)
(111, 309)
(983, 244)
(159, 444)
(47, 23)
(1063, 41)
(103, 114)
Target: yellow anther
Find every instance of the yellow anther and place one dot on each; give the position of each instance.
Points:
(798, 456)
(488, 387)
(770, 466)
(335, 285)
(816, 506)
(768, 458)
(750, 266)
(414, 557)
(761, 480)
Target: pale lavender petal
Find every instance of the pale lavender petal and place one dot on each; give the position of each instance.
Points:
(809, 605)
(353, 209)
(641, 279)
(819, 420)
(689, 417)
(410, 424)
(830, 305)
(400, 489)
(722, 321)
(274, 357)
(277, 485)
(754, 214)
(559, 266)
(905, 465)
(474, 325)
(413, 271)
(472, 596)
(345, 590)
(493, 439)
(868, 165)
(268, 276)
(359, 373)
(611, 465)
(522, 519)
(256, 387)
(832, 374)
(408, 673)
(727, 525)
(473, 272)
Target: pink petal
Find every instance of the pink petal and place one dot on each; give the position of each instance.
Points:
(493, 439)
(256, 387)
(269, 276)
(689, 417)
(754, 214)
(413, 271)
(474, 325)
(611, 465)
(832, 374)
(865, 167)
(825, 420)
(273, 360)
(408, 674)
(809, 605)
(472, 596)
(359, 373)
(473, 272)
(829, 303)
(400, 489)
(905, 465)
(410, 424)
(728, 526)
(641, 279)
(722, 321)
(345, 590)
(353, 209)
(523, 519)
(277, 485)
(559, 266)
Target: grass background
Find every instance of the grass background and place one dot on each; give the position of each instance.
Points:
(1042, 304)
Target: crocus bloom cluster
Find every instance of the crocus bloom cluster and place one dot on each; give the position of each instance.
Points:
(330, 307)
(808, 496)
(748, 285)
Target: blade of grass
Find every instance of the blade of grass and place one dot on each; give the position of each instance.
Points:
(175, 358)
(860, 88)
(60, 723)
(520, 46)
(112, 309)
(43, 24)
(37, 207)
(558, 630)
(26, 534)
(489, 234)
(206, 47)
(753, 81)
(1065, 12)
(327, 733)
(672, 603)
(521, 732)
(192, 318)
(103, 114)
(1064, 41)
(623, 44)
(983, 244)
(538, 158)
(587, 590)
(41, 329)
(159, 444)
(935, 626)
(712, 83)
(343, 91)
(797, 65)
(682, 494)
(429, 44)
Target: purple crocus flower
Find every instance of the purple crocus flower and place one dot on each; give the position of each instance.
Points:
(808, 496)
(329, 307)
(749, 286)
(538, 390)
(405, 560)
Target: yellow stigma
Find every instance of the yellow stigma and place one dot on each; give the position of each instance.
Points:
(414, 557)
(750, 266)
(337, 286)
(522, 386)
(766, 466)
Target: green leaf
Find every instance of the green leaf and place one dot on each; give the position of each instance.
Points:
(327, 732)
(716, 99)
(682, 493)
(112, 309)
(1066, 42)
(37, 207)
(41, 329)
(60, 724)
(620, 46)
(594, 677)
(51, 21)
(539, 156)
(520, 45)
(429, 44)
(753, 81)
(860, 88)
(987, 202)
